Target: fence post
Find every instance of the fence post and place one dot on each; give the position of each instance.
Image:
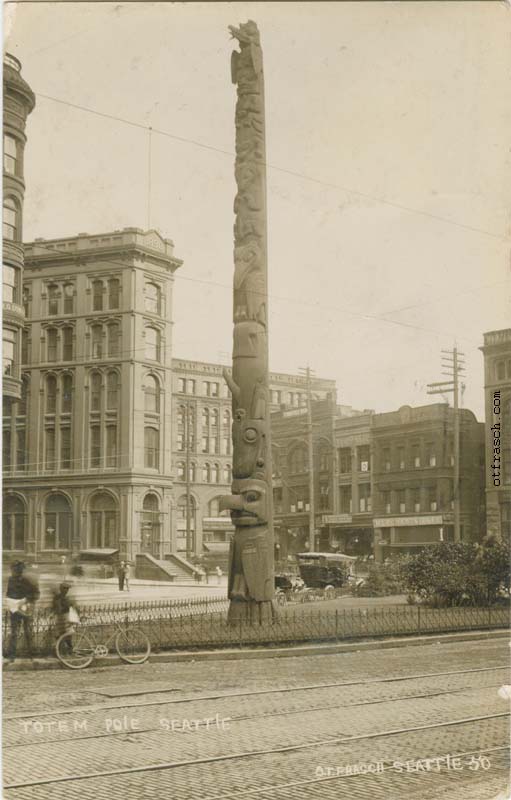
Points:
(418, 619)
(489, 616)
(336, 624)
(241, 632)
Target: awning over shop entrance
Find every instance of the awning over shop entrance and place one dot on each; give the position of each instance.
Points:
(217, 548)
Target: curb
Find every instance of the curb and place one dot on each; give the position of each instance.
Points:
(27, 665)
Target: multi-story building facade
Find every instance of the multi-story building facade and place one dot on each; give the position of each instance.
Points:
(202, 449)
(19, 101)
(413, 478)
(95, 416)
(497, 391)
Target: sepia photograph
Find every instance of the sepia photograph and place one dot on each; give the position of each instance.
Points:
(256, 441)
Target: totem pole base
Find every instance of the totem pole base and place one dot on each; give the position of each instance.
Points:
(252, 612)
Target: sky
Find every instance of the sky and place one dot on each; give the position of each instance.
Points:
(389, 171)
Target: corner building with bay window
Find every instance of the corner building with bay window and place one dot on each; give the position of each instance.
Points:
(96, 401)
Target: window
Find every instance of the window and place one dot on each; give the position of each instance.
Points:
(206, 473)
(114, 286)
(385, 496)
(51, 339)
(214, 417)
(11, 284)
(97, 341)
(112, 391)
(205, 444)
(345, 460)
(346, 504)
(6, 449)
(11, 230)
(432, 500)
(152, 344)
(401, 499)
(111, 445)
(324, 497)
(95, 391)
(65, 448)
(181, 471)
(49, 448)
(214, 508)
(430, 455)
(226, 420)
(21, 449)
(51, 394)
(401, 457)
(13, 524)
(152, 299)
(324, 460)
(10, 155)
(386, 459)
(501, 369)
(180, 442)
(191, 386)
(181, 385)
(364, 497)
(114, 335)
(67, 394)
(298, 460)
(69, 291)
(226, 474)
(152, 396)
(8, 351)
(214, 390)
(416, 500)
(25, 347)
(97, 295)
(53, 300)
(193, 472)
(95, 446)
(205, 417)
(150, 522)
(363, 458)
(416, 455)
(226, 445)
(151, 448)
(215, 473)
(67, 344)
(58, 521)
(104, 521)
(213, 445)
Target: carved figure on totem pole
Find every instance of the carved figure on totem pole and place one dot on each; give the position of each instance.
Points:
(251, 571)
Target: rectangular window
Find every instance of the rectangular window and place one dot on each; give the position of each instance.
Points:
(181, 442)
(69, 291)
(401, 500)
(214, 389)
(111, 445)
(433, 505)
(416, 501)
(205, 444)
(386, 459)
(401, 457)
(205, 388)
(8, 351)
(363, 458)
(95, 446)
(181, 385)
(49, 448)
(67, 344)
(97, 296)
(345, 460)
(10, 280)
(346, 502)
(10, 155)
(21, 450)
(191, 387)
(364, 497)
(65, 448)
(416, 455)
(386, 502)
(213, 445)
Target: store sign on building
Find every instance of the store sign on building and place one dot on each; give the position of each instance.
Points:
(410, 522)
(335, 519)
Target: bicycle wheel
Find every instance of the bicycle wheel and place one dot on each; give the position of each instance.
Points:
(133, 646)
(75, 650)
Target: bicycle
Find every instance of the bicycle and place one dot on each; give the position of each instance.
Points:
(76, 649)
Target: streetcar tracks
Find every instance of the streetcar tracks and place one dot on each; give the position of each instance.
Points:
(250, 754)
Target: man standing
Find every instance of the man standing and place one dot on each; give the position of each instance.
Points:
(121, 574)
(22, 594)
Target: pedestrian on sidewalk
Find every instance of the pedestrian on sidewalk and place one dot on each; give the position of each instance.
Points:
(22, 595)
(121, 575)
(127, 575)
(219, 574)
(66, 610)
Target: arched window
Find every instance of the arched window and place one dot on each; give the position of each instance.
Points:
(206, 473)
(181, 509)
(205, 417)
(97, 341)
(58, 521)
(227, 420)
(11, 226)
(151, 448)
(181, 416)
(215, 473)
(114, 286)
(150, 534)
(298, 460)
(112, 391)
(67, 344)
(97, 295)
(51, 394)
(114, 335)
(66, 403)
(214, 417)
(226, 473)
(193, 471)
(69, 292)
(181, 471)
(95, 391)
(152, 298)
(152, 395)
(104, 521)
(51, 340)
(152, 344)
(53, 300)
(13, 517)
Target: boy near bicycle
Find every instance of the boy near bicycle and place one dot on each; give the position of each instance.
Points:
(66, 612)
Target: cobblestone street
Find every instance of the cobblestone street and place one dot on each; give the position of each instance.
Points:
(411, 721)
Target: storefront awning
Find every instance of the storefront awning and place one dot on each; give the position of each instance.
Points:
(217, 548)
(99, 554)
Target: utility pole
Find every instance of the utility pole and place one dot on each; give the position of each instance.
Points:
(188, 487)
(452, 361)
(310, 442)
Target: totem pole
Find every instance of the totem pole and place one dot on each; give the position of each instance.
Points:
(251, 570)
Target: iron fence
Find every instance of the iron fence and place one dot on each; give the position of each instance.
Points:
(169, 627)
